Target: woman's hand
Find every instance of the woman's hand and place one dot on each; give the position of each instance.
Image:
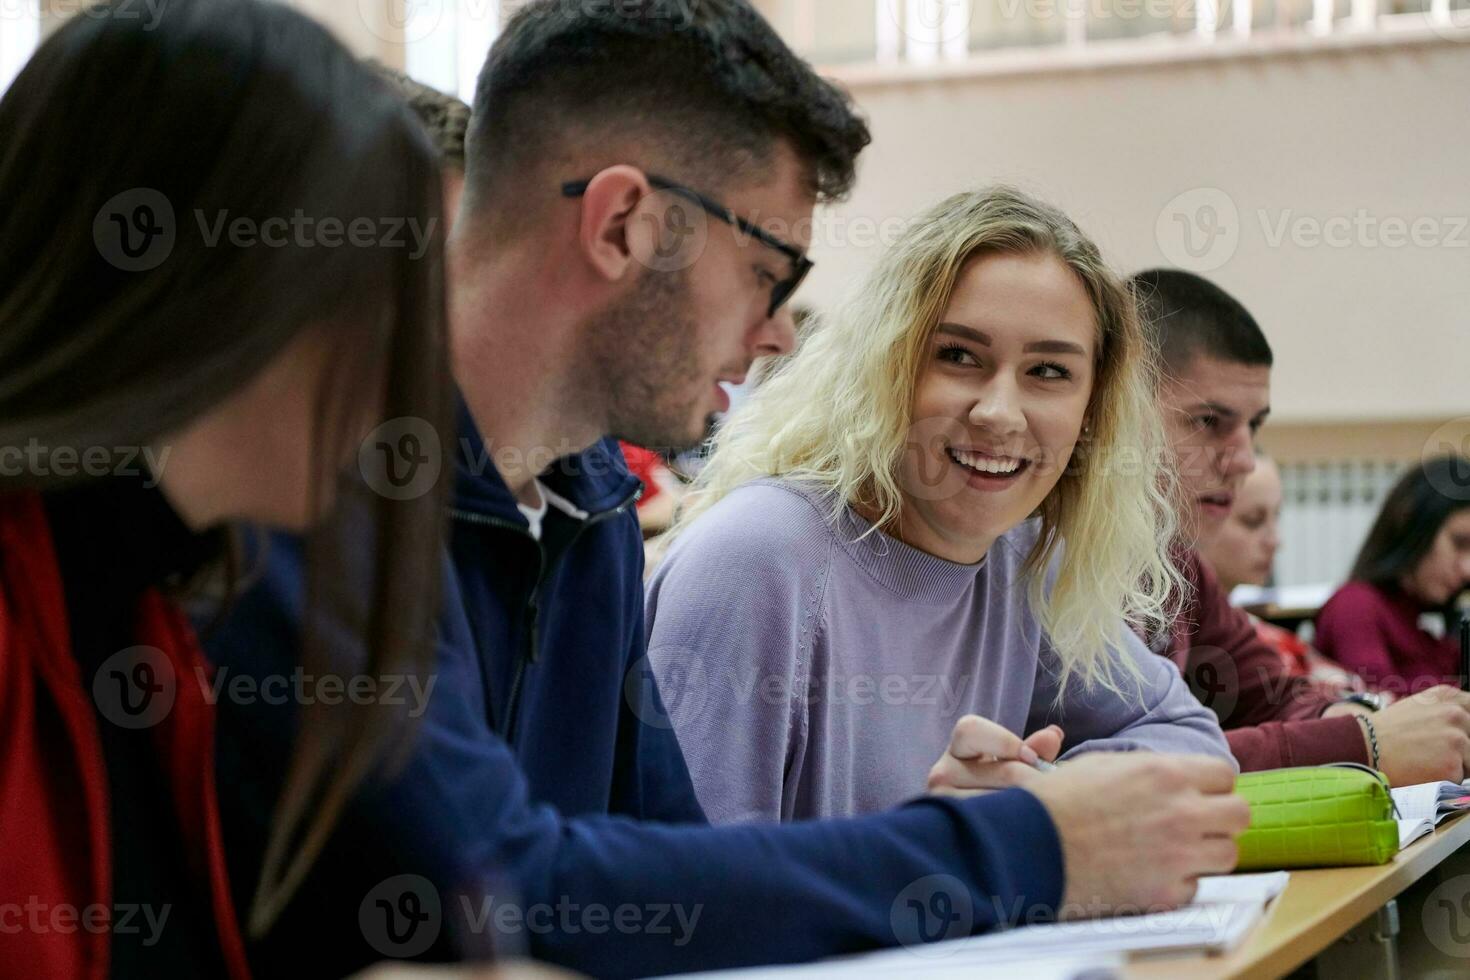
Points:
(983, 756)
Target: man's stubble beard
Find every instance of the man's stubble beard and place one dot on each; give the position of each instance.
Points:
(643, 359)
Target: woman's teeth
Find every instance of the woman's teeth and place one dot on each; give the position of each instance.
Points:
(998, 465)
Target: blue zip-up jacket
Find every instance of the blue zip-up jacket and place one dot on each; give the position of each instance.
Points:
(580, 840)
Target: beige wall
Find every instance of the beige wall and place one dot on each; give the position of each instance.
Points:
(1399, 442)
(1363, 333)
(1360, 332)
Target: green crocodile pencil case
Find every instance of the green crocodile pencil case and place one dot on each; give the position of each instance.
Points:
(1316, 817)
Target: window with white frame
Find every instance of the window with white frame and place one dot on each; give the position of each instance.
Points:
(445, 43)
(928, 31)
(446, 49)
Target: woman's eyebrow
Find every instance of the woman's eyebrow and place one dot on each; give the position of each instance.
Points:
(1035, 347)
(968, 333)
(1055, 347)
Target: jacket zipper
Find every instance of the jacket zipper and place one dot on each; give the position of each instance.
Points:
(531, 649)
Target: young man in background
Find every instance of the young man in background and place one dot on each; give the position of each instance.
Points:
(1216, 395)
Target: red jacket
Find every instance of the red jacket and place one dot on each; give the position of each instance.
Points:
(644, 464)
(54, 809)
(1271, 718)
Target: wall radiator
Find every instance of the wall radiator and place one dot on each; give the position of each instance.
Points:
(1325, 516)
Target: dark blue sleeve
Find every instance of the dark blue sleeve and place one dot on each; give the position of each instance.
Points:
(449, 857)
(651, 778)
(746, 894)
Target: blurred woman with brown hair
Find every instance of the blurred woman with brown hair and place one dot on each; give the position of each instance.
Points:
(190, 342)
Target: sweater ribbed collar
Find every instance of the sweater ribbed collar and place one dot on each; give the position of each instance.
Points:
(909, 573)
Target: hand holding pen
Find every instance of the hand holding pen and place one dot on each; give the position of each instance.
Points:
(984, 756)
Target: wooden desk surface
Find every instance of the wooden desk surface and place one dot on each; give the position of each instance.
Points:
(1316, 909)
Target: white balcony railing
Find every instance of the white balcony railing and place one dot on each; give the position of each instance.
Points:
(444, 41)
(929, 32)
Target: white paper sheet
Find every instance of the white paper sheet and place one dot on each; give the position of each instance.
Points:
(1224, 910)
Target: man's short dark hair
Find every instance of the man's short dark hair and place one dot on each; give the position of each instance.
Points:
(1189, 316)
(444, 117)
(704, 87)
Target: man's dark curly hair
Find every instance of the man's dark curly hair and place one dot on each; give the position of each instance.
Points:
(445, 117)
(705, 88)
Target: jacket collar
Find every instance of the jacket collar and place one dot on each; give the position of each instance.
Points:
(595, 480)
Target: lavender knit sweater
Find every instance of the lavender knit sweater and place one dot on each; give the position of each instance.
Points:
(809, 674)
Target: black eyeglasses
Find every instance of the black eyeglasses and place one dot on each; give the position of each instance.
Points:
(800, 264)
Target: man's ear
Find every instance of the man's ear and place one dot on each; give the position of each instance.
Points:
(608, 207)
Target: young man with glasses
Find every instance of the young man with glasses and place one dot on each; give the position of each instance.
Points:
(638, 198)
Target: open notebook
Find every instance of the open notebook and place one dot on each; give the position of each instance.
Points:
(878, 966)
(1425, 806)
(1222, 913)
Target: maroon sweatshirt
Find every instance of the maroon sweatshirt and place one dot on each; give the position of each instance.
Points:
(1271, 718)
(1376, 634)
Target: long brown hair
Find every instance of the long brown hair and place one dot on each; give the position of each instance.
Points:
(1411, 518)
(173, 126)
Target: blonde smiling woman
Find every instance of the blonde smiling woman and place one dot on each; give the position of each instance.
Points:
(871, 572)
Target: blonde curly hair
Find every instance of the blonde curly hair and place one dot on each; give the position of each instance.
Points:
(837, 414)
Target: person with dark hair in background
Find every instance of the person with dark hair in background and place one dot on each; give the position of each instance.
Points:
(1215, 394)
(1415, 561)
(640, 183)
(150, 376)
(445, 119)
